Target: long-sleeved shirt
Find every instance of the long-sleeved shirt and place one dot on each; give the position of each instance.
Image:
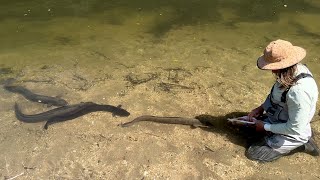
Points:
(301, 103)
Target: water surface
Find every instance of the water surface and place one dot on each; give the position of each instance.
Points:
(158, 57)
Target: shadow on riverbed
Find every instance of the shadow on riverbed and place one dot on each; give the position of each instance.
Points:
(240, 135)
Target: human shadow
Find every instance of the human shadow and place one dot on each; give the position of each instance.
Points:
(240, 135)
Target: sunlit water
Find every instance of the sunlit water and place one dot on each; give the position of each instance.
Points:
(111, 35)
(98, 32)
(179, 57)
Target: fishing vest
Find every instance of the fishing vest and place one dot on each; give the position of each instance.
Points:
(278, 112)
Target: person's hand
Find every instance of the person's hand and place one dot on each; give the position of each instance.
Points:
(255, 113)
(259, 126)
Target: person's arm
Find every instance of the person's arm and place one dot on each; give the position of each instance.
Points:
(255, 112)
(299, 107)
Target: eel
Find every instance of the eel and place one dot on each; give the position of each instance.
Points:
(55, 101)
(68, 112)
(169, 120)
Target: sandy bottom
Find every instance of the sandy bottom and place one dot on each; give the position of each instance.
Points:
(185, 74)
(95, 147)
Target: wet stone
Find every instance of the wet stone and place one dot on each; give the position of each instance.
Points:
(5, 70)
(172, 87)
(136, 79)
(63, 40)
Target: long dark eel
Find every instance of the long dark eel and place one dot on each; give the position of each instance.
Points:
(169, 120)
(68, 112)
(35, 97)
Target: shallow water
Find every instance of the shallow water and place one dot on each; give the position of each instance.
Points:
(37, 32)
(177, 58)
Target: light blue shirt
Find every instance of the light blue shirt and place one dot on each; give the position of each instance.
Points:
(301, 101)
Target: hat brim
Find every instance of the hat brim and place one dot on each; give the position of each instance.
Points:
(296, 55)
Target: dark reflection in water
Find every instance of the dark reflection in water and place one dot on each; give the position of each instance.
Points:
(182, 12)
(259, 10)
(301, 31)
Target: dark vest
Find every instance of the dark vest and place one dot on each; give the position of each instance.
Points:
(278, 112)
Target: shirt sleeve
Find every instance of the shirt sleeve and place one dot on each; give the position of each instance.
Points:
(267, 127)
(299, 107)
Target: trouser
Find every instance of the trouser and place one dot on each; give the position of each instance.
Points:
(261, 151)
(272, 147)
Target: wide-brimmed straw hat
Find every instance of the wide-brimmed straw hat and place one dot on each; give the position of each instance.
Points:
(280, 54)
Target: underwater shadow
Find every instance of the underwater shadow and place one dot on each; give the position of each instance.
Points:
(171, 14)
(239, 135)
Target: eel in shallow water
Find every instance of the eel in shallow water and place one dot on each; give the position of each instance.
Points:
(68, 112)
(55, 101)
(169, 120)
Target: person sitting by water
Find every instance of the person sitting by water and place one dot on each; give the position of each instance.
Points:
(287, 111)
